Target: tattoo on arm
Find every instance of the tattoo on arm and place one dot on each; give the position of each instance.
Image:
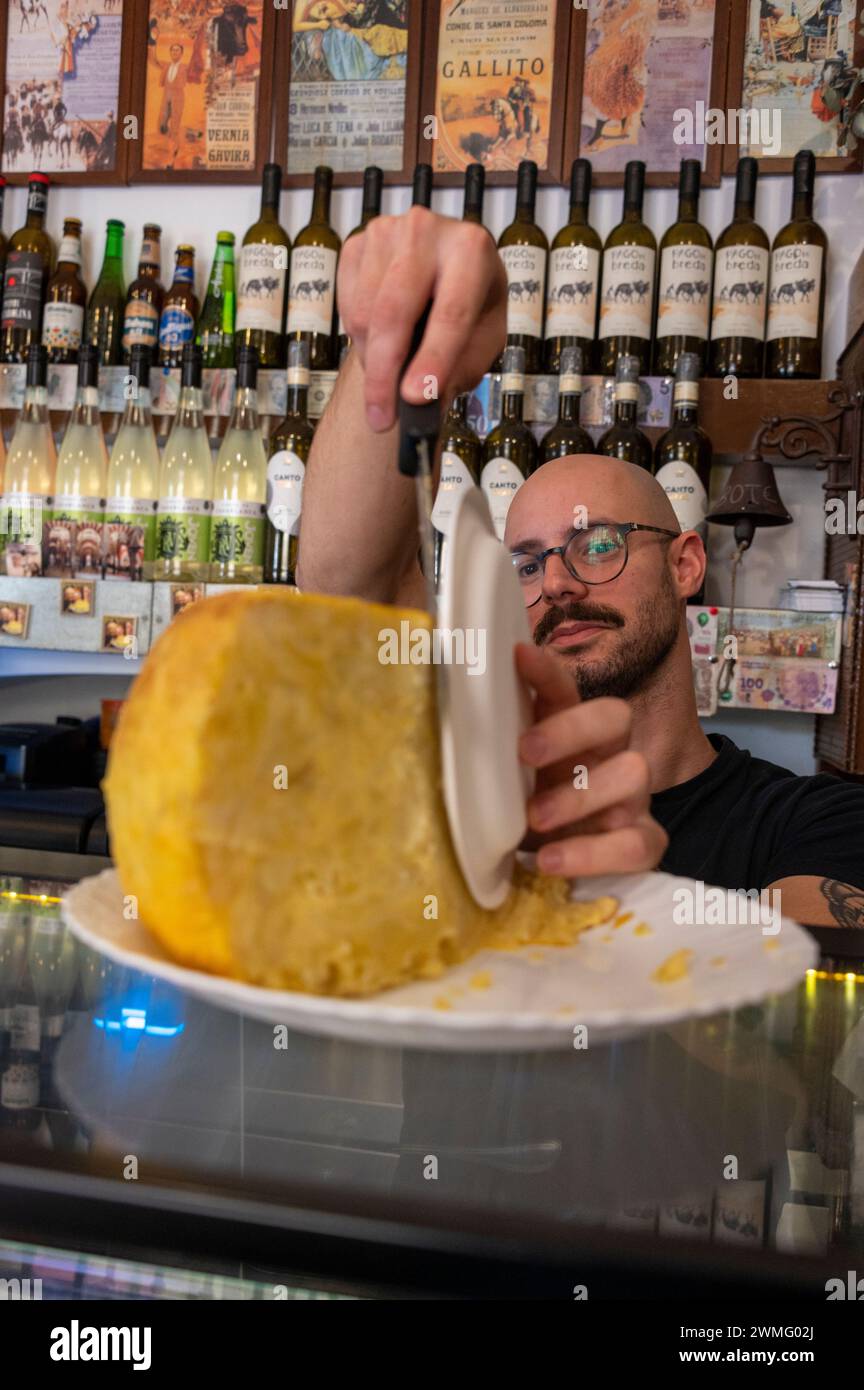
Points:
(846, 903)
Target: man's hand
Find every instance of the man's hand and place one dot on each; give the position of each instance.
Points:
(387, 275)
(606, 826)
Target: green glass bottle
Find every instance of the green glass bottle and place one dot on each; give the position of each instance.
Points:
(628, 281)
(215, 330)
(510, 449)
(461, 458)
(574, 276)
(796, 299)
(684, 282)
(103, 325)
(262, 276)
(740, 285)
(312, 283)
(567, 435)
(524, 248)
(290, 443)
(373, 182)
(624, 439)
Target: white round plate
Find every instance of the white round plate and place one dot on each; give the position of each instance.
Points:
(503, 1001)
(483, 709)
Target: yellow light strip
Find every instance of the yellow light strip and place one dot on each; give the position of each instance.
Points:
(29, 897)
(849, 975)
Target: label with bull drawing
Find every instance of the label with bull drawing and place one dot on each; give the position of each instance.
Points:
(793, 300)
(500, 481)
(261, 287)
(526, 271)
(684, 292)
(571, 303)
(740, 292)
(628, 281)
(310, 293)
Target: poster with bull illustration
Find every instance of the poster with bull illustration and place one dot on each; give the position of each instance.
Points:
(62, 86)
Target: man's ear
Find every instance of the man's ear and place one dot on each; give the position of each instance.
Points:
(688, 563)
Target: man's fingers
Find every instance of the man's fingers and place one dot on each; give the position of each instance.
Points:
(633, 849)
(598, 724)
(622, 778)
(554, 686)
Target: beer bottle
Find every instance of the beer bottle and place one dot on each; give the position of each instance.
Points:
(180, 310)
(145, 297)
(63, 320)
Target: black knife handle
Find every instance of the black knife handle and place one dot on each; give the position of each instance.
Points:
(421, 421)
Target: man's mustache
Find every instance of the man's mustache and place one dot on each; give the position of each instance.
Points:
(575, 613)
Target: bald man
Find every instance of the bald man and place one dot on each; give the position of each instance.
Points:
(606, 574)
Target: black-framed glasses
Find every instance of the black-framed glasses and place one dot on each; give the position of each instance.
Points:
(593, 555)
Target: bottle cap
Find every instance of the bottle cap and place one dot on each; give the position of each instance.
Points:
(745, 179)
(88, 365)
(634, 183)
(803, 172)
(247, 367)
(37, 364)
(689, 179)
(39, 178)
(475, 182)
(225, 238)
(580, 182)
(191, 364)
(139, 364)
(114, 222)
(421, 195)
(526, 181)
(373, 179)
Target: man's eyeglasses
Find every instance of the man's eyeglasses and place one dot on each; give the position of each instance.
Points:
(593, 555)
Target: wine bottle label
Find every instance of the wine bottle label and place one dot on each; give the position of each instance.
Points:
(22, 290)
(571, 302)
(685, 393)
(70, 250)
(237, 532)
(297, 376)
(512, 383)
(285, 474)
(682, 485)
(793, 300)
(19, 1087)
(176, 327)
(23, 516)
(140, 324)
(740, 293)
(569, 384)
(500, 481)
(526, 272)
(625, 303)
(183, 529)
(454, 480)
(184, 274)
(684, 291)
(134, 511)
(311, 289)
(73, 506)
(37, 198)
(62, 325)
(25, 1028)
(261, 287)
(151, 253)
(626, 391)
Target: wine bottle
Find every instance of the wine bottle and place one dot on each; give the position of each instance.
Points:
(264, 259)
(372, 184)
(524, 248)
(684, 283)
(66, 300)
(29, 262)
(796, 299)
(472, 202)
(290, 443)
(461, 455)
(82, 470)
(179, 310)
(28, 484)
(740, 285)
(682, 455)
(312, 288)
(510, 449)
(133, 482)
(215, 330)
(103, 326)
(574, 276)
(19, 1082)
(145, 297)
(567, 435)
(624, 439)
(3, 243)
(240, 486)
(185, 507)
(628, 281)
(421, 190)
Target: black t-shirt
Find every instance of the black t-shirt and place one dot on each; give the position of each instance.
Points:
(745, 823)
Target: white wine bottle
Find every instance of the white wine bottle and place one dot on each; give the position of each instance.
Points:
(133, 482)
(28, 489)
(240, 486)
(510, 449)
(185, 483)
(82, 471)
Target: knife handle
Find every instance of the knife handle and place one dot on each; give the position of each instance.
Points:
(421, 421)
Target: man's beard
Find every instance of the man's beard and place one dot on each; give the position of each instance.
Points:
(651, 637)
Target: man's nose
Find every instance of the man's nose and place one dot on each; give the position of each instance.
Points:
(558, 582)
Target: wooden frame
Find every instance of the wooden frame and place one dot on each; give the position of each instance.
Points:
(282, 103)
(117, 175)
(263, 114)
(565, 18)
(825, 164)
(655, 178)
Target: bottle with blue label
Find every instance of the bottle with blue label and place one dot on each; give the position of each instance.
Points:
(180, 310)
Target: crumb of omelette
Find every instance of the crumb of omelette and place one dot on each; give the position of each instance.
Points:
(674, 967)
(442, 1002)
(624, 918)
(544, 915)
(482, 980)
(770, 945)
(642, 929)
(718, 960)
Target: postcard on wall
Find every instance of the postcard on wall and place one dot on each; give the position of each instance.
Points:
(62, 86)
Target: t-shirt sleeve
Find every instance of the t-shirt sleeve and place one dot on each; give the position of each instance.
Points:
(823, 833)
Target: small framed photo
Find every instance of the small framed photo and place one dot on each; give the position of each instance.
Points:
(183, 596)
(119, 634)
(784, 59)
(15, 620)
(78, 600)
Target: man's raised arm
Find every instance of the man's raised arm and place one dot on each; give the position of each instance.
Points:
(358, 530)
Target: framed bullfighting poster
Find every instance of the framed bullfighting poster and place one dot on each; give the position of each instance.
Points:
(652, 72)
(793, 79)
(347, 87)
(65, 88)
(495, 79)
(202, 82)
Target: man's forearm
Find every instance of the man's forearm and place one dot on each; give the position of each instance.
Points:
(358, 531)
